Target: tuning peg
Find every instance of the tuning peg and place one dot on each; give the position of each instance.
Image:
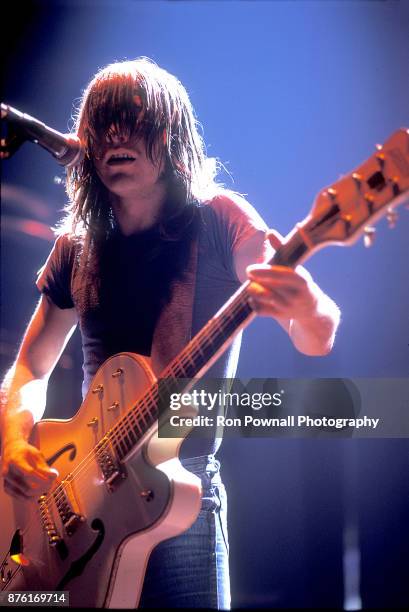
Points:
(381, 158)
(369, 236)
(391, 217)
(358, 180)
(395, 186)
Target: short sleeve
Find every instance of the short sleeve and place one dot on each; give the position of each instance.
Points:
(240, 218)
(54, 278)
(236, 221)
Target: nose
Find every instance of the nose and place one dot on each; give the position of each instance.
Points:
(115, 139)
(115, 136)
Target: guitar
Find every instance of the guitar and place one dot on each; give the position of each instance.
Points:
(123, 489)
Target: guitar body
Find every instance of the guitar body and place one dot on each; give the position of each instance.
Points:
(93, 536)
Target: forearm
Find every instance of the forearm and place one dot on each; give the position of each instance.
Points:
(23, 399)
(314, 335)
(24, 469)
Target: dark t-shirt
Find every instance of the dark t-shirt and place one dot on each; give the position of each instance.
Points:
(136, 274)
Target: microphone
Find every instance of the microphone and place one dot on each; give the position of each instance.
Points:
(66, 148)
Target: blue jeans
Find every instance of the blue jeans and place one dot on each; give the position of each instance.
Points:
(192, 569)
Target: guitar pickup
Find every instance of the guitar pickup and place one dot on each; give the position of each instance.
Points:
(112, 471)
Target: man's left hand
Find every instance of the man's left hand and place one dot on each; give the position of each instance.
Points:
(292, 297)
(281, 292)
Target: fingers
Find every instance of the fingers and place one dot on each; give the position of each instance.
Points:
(281, 296)
(275, 238)
(26, 482)
(26, 473)
(266, 308)
(278, 272)
(265, 302)
(41, 467)
(281, 292)
(276, 276)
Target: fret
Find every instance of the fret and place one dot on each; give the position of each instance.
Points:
(123, 434)
(141, 417)
(118, 444)
(135, 425)
(126, 437)
(132, 436)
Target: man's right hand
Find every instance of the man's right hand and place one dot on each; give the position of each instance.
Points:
(23, 398)
(25, 471)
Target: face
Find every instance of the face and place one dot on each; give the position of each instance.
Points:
(124, 167)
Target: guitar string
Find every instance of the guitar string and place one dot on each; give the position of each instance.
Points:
(59, 493)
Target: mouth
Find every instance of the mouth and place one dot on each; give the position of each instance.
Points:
(118, 159)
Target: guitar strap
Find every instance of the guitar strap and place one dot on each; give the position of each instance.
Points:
(174, 327)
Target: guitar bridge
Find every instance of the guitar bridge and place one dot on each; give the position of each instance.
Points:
(68, 507)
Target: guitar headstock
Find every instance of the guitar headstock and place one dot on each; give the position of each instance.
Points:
(347, 209)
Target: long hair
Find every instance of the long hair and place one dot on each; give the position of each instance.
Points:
(140, 99)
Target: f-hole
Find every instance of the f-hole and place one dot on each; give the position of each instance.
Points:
(78, 566)
(65, 449)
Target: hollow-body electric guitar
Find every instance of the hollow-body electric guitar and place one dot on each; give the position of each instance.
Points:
(122, 489)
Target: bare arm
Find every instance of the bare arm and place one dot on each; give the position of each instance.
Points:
(24, 396)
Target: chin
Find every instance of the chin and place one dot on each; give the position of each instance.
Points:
(123, 184)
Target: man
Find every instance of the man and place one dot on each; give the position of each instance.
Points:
(144, 209)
